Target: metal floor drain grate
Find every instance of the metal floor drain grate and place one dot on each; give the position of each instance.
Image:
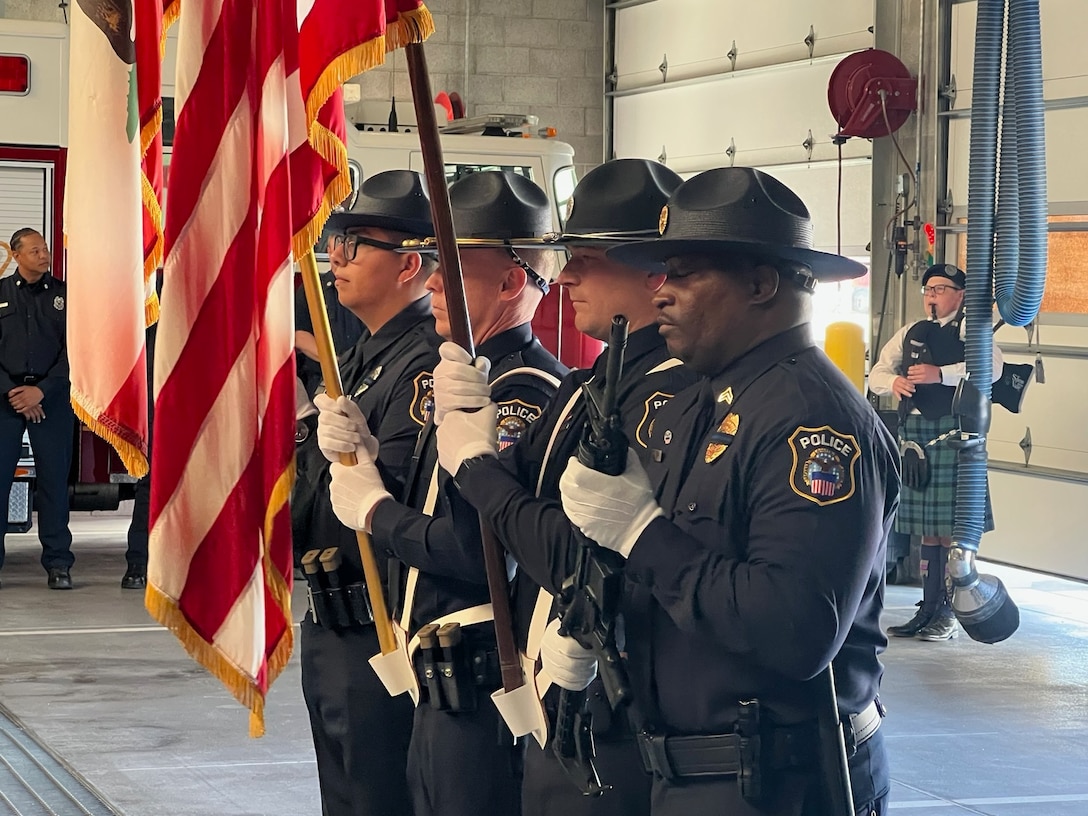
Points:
(36, 782)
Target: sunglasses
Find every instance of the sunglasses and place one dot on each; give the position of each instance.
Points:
(350, 243)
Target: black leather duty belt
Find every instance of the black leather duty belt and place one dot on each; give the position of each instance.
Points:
(784, 747)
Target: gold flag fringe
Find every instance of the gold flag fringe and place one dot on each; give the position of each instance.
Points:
(154, 260)
(150, 129)
(332, 150)
(241, 686)
(274, 579)
(170, 11)
(134, 459)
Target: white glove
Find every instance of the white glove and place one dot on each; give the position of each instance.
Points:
(459, 383)
(355, 491)
(342, 428)
(463, 435)
(567, 662)
(611, 510)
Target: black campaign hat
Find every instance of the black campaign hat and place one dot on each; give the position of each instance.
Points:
(953, 273)
(394, 200)
(498, 208)
(618, 201)
(737, 209)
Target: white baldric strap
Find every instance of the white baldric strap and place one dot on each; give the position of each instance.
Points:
(550, 379)
(567, 409)
(672, 362)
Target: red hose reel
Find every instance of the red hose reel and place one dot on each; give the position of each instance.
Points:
(863, 87)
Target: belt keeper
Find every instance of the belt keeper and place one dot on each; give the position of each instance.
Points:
(655, 756)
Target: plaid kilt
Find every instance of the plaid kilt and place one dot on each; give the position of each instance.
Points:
(932, 511)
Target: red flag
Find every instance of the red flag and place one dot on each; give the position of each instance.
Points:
(252, 179)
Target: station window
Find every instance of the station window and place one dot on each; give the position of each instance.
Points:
(843, 301)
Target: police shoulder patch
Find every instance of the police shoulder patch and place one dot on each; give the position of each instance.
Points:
(515, 416)
(422, 397)
(824, 462)
(654, 403)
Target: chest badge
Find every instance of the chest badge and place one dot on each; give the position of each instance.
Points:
(722, 437)
(58, 303)
(824, 462)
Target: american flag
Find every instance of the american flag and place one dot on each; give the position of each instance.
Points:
(258, 162)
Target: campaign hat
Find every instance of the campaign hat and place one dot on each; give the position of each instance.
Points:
(737, 209)
(619, 201)
(394, 200)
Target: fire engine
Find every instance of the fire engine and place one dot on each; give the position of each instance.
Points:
(33, 147)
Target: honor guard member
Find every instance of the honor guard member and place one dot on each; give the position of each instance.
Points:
(34, 378)
(761, 557)
(346, 329)
(462, 761)
(518, 492)
(361, 734)
(922, 365)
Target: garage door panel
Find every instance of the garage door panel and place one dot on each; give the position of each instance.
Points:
(697, 36)
(695, 123)
(1063, 44)
(1067, 171)
(817, 186)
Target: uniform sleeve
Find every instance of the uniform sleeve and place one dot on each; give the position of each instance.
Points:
(889, 365)
(801, 567)
(954, 372)
(302, 312)
(447, 545)
(535, 531)
(57, 378)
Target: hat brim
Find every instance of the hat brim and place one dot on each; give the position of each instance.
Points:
(339, 222)
(430, 244)
(651, 255)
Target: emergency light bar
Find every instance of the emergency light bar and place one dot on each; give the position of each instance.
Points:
(14, 74)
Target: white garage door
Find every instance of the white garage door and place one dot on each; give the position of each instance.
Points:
(711, 84)
(23, 203)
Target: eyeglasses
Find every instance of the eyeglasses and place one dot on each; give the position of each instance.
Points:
(939, 289)
(350, 242)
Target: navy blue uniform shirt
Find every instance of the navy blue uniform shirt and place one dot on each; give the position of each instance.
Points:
(536, 532)
(445, 547)
(779, 484)
(33, 328)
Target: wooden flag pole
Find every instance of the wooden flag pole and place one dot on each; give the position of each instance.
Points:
(461, 330)
(319, 317)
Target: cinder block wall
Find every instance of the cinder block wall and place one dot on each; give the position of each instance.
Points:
(542, 57)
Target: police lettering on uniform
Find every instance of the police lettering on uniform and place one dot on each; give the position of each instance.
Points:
(755, 538)
(34, 380)
(922, 364)
(516, 493)
(461, 761)
(361, 734)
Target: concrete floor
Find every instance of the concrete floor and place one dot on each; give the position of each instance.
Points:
(972, 728)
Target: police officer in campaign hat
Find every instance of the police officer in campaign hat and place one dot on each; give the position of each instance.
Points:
(461, 760)
(755, 541)
(361, 734)
(34, 381)
(922, 364)
(517, 493)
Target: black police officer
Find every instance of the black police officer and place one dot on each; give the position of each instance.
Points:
(460, 762)
(518, 492)
(761, 559)
(34, 378)
(360, 733)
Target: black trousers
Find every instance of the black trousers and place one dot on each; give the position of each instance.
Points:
(791, 793)
(548, 789)
(360, 733)
(463, 764)
(51, 440)
(136, 554)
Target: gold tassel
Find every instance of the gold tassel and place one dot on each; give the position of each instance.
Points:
(409, 27)
(134, 459)
(237, 682)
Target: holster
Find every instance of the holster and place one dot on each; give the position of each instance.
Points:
(452, 670)
(333, 604)
(915, 466)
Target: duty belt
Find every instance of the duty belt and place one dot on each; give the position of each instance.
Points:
(783, 747)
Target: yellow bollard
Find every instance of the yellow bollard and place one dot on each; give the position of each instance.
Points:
(844, 343)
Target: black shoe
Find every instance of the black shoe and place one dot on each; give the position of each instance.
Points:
(942, 627)
(135, 578)
(915, 625)
(59, 578)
